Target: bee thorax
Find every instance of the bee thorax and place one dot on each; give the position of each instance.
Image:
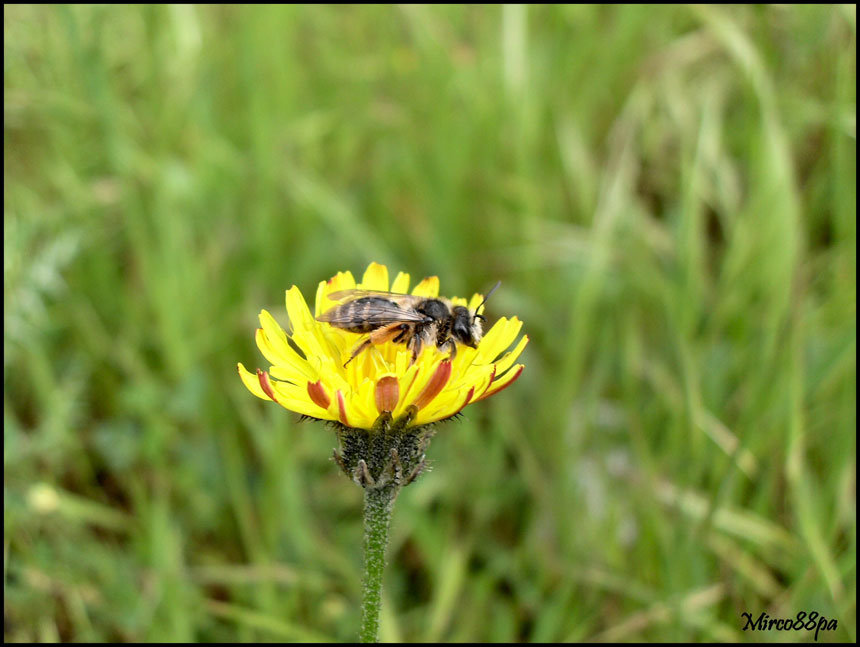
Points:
(435, 309)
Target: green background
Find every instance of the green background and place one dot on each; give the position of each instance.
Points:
(668, 196)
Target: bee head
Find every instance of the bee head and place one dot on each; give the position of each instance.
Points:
(466, 329)
(474, 325)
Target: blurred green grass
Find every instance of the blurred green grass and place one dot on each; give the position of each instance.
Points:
(668, 195)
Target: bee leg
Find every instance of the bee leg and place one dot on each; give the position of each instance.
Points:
(404, 330)
(358, 350)
(415, 344)
(451, 346)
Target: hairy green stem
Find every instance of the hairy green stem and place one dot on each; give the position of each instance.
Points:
(378, 503)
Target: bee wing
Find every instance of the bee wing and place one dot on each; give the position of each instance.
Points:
(380, 312)
(403, 300)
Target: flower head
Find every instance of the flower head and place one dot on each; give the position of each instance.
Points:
(307, 373)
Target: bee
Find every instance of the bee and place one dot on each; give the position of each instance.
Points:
(405, 319)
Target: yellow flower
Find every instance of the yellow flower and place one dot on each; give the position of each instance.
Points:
(314, 381)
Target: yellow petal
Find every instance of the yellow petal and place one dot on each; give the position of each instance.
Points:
(286, 392)
(252, 383)
(288, 369)
(303, 405)
(277, 339)
(474, 375)
(503, 382)
(320, 300)
(418, 376)
(500, 336)
(375, 277)
(465, 360)
(267, 349)
(401, 283)
(272, 327)
(434, 386)
(307, 332)
(342, 281)
(297, 310)
(410, 385)
(339, 282)
(444, 407)
(333, 374)
(362, 405)
(429, 287)
(510, 357)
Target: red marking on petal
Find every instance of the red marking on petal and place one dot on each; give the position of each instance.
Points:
(414, 377)
(341, 405)
(266, 385)
(466, 401)
(492, 377)
(317, 392)
(435, 385)
(513, 379)
(387, 393)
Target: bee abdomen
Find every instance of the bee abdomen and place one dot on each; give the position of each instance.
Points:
(358, 316)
